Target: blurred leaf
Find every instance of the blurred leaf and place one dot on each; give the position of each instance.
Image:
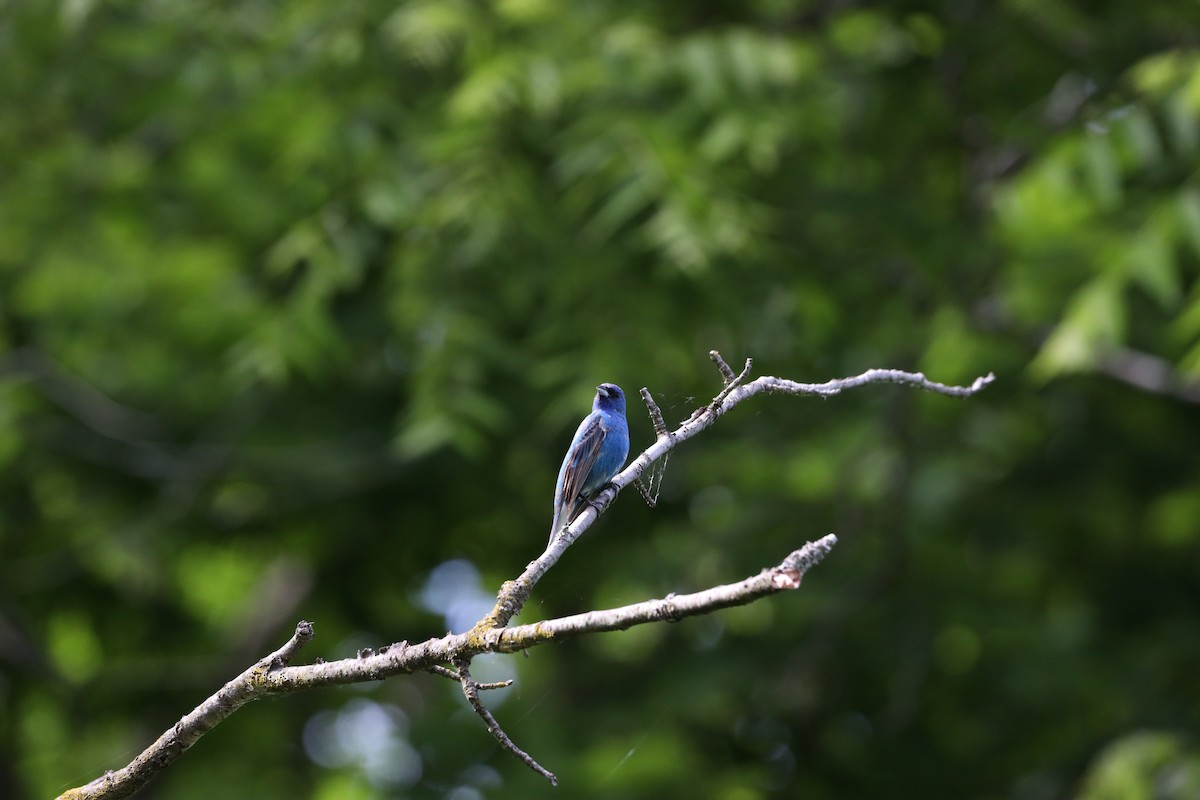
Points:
(1103, 171)
(73, 644)
(1094, 320)
(1148, 765)
(1152, 265)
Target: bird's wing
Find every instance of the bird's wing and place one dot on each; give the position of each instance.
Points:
(585, 448)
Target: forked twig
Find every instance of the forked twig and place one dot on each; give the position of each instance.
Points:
(471, 691)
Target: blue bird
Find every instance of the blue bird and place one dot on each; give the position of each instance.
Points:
(596, 454)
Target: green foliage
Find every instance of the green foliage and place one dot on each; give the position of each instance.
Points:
(300, 301)
(1144, 765)
(1115, 204)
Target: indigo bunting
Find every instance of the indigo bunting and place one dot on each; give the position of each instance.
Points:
(596, 454)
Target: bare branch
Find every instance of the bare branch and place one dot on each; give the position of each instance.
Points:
(514, 594)
(80, 399)
(186, 732)
(268, 676)
(782, 577)
(273, 675)
(835, 387)
(1148, 373)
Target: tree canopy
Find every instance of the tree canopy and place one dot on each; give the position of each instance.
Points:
(300, 303)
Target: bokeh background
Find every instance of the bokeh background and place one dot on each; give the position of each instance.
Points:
(301, 301)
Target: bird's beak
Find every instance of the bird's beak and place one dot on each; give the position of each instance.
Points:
(600, 390)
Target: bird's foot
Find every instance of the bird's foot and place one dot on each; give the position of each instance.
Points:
(594, 501)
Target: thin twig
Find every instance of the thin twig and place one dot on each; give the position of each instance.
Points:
(644, 491)
(660, 431)
(303, 635)
(726, 371)
(471, 692)
(438, 669)
(830, 388)
(656, 415)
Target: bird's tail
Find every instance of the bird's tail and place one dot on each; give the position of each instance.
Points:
(563, 517)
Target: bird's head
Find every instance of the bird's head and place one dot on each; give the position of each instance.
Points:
(609, 397)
